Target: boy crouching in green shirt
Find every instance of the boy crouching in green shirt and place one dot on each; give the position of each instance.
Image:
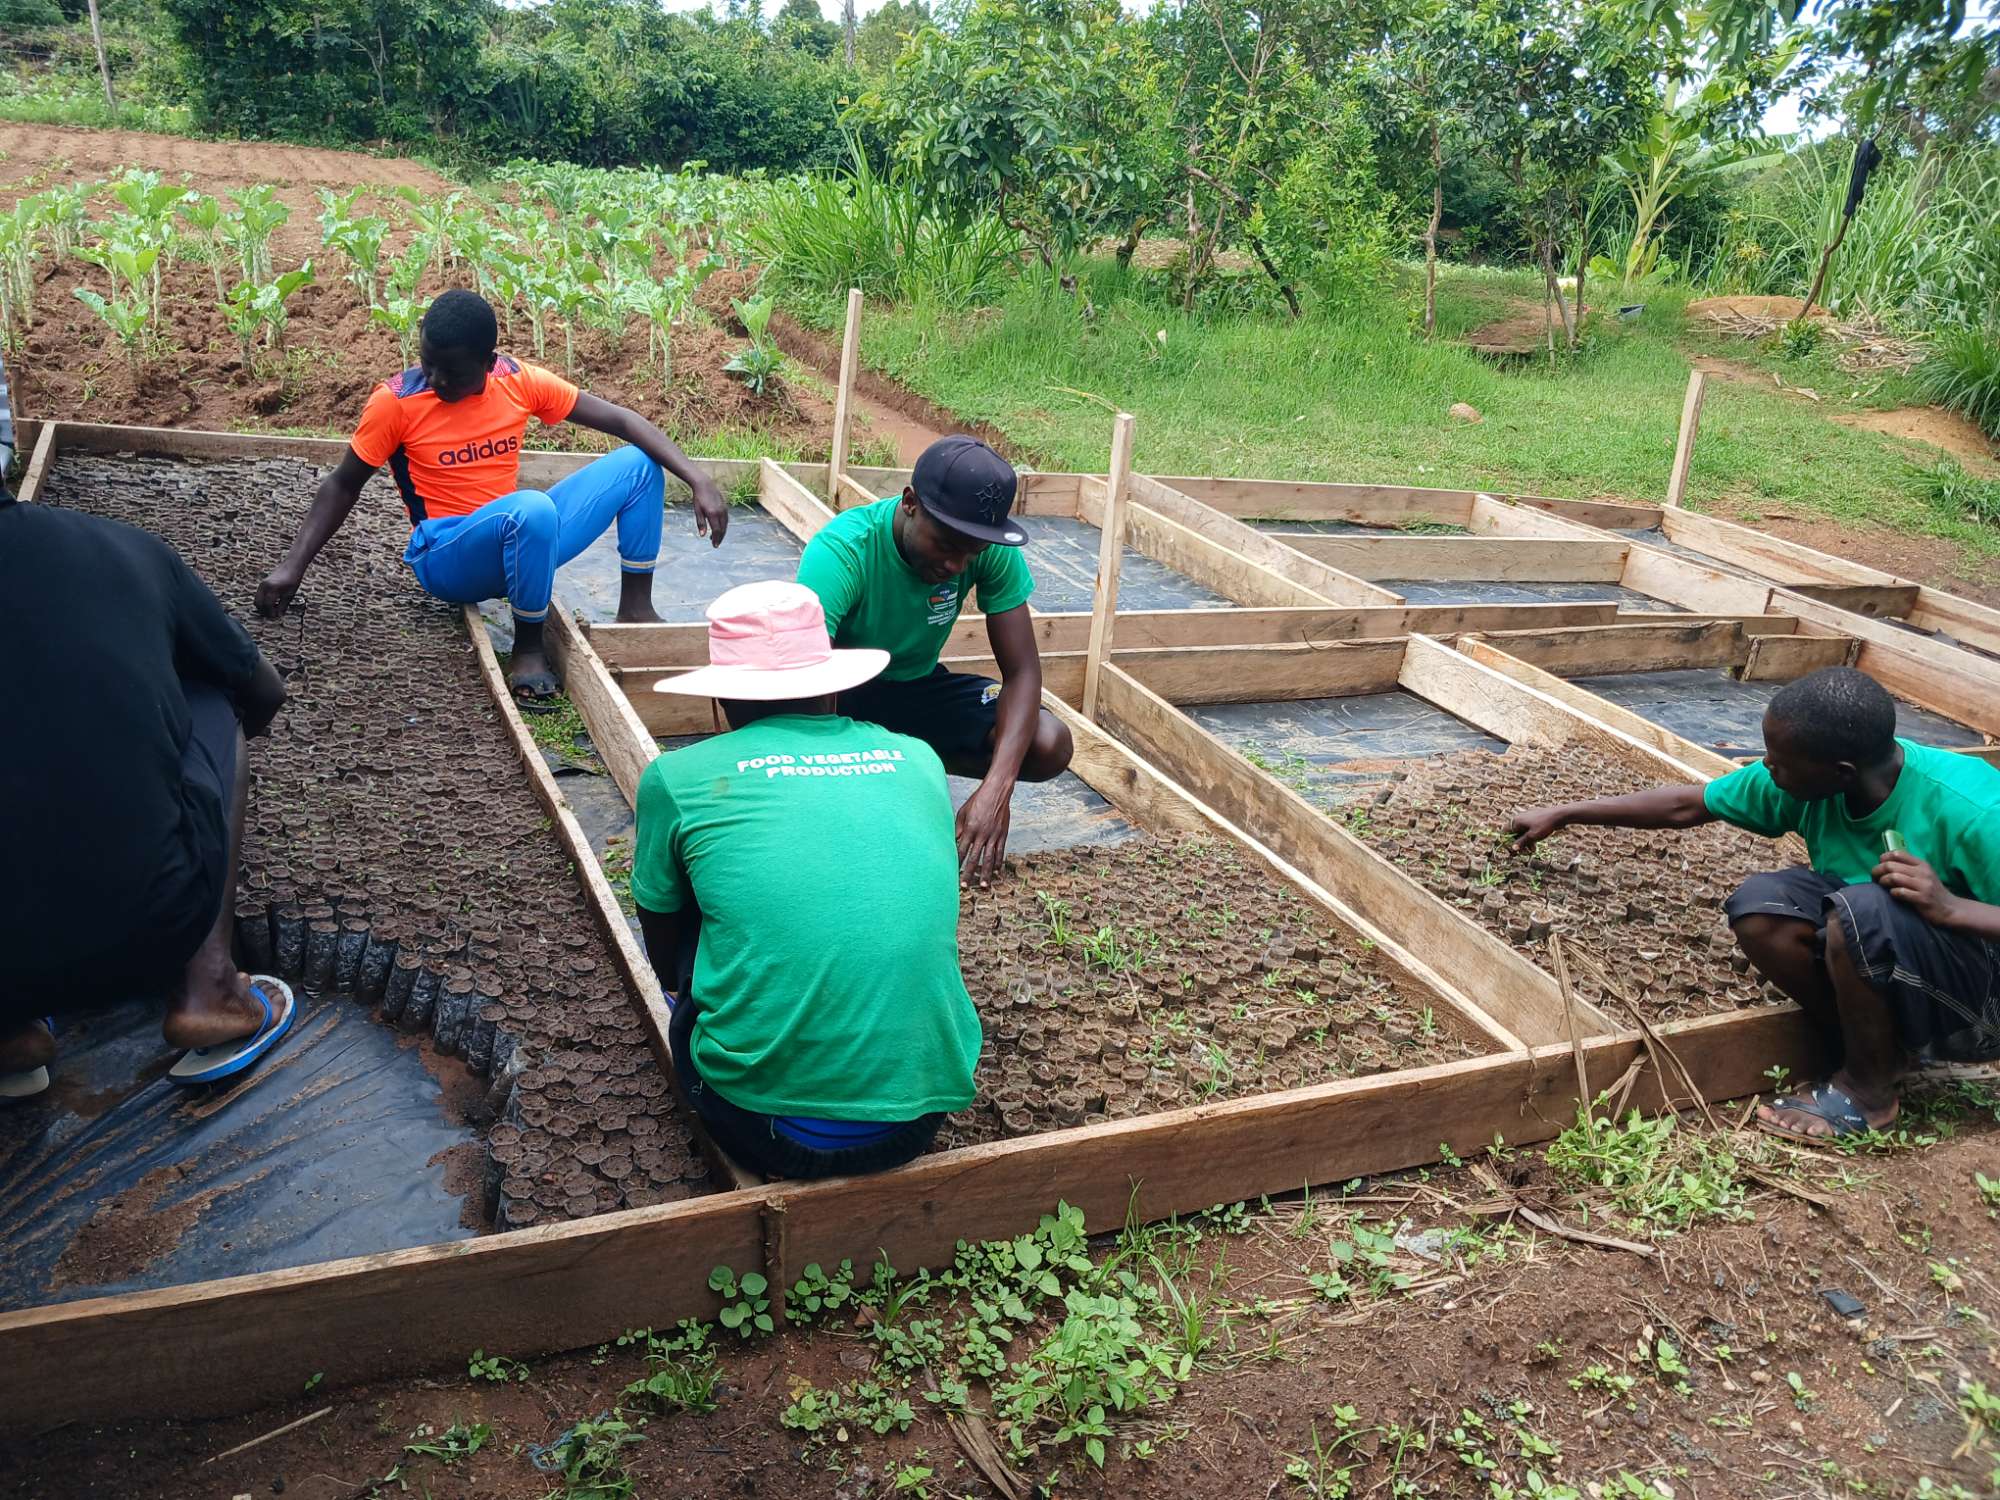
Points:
(797, 885)
(1891, 944)
(895, 575)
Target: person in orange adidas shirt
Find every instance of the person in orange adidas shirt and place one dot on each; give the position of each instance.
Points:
(450, 431)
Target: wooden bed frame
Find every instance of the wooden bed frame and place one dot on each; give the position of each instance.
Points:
(1311, 621)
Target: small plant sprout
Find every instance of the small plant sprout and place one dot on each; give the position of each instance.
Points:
(745, 1308)
(494, 1367)
(458, 1441)
(1802, 1397)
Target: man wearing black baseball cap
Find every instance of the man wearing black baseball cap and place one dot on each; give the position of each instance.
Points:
(894, 576)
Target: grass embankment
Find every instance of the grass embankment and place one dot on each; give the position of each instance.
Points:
(1352, 394)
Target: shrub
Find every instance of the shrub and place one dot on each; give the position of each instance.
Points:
(822, 234)
(1962, 371)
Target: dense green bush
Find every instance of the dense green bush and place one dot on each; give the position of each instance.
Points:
(595, 81)
(819, 235)
(1962, 371)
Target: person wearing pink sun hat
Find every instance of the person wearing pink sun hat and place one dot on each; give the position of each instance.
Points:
(796, 880)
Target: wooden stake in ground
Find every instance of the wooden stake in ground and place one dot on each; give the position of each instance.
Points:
(1110, 552)
(1569, 1017)
(103, 62)
(850, 357)
(1684, 447)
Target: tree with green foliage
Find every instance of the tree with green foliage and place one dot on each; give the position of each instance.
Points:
(1421, 83)
(882, 33)
(327, 69)
(1250, 88)
(1035, 110)
(1563, 85)
(800, 25)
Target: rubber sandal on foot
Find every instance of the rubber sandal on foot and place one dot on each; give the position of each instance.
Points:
(226, 1059)
(29, 1081)
(1821, 1102)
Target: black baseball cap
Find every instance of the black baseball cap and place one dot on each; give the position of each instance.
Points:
(963, 484)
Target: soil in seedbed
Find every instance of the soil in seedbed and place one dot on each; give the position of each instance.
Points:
(1646, 905)
(395, 850)
(1123, 980)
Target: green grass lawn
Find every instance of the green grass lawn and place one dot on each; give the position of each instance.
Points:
(1356, 395)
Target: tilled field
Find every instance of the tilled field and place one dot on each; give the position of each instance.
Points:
(1647, 906)
(1124, 980)
(394, 849)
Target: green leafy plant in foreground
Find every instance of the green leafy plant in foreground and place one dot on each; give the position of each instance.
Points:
(1094, 1365)
(759, 365)
(590, 1457)
(745, 1308)
(494, 1367)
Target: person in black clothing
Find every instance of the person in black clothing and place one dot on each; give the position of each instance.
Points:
(122, 789)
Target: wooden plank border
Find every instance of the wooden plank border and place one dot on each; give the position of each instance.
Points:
(533, 1291)
(37, 472)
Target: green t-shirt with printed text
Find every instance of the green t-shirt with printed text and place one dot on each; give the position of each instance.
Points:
(1946, 807)
(874, 598)
(820, 853)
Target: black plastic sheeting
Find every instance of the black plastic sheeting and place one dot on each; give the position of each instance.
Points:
(330, 1147)
(1333, 749)
(1062, 554)
(1726, 714)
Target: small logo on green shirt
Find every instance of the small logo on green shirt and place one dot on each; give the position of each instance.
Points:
(943, 603)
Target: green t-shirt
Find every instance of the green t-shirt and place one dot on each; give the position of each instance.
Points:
(1946, 807)
(821, 856)
(873, 598)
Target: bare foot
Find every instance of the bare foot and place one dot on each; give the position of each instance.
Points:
(28, 1045)
(635, 599)
(638, 614)
(212, 1007)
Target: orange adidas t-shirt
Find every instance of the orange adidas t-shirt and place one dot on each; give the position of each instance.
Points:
(450, 458)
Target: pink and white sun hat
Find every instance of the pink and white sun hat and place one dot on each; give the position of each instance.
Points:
(768, 642)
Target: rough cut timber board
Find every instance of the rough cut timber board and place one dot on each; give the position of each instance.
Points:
(540, 467)
(1490, 652)
(1328, 582)
(572, 1285)
(1446, 559)
(46, 443)
(1369, 889)
(1505, 706)
(1229, 573)
(686, 645)
(1381, 504)
(589, 686)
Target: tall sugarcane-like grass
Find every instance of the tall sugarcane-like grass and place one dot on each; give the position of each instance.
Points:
(1923, 253)
(1962, 371)
(821, 234)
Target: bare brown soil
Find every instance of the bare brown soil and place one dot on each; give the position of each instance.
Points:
(1505, 1334)
(1524, 330)
(1934, 427)
(1725, 309)
(130, 1232)
(70, 366)
(1165, 972)
(395, 852)
(1646, 906)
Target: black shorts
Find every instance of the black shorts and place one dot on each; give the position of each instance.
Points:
(773, 1146)
(140, 954)
(952, 712)
(1944, 985)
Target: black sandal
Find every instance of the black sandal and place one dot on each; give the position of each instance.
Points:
(1822, 1102)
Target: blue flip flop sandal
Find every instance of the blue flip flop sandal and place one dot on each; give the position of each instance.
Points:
(226, 1059)
(29, 1081)
(1822, 1102)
